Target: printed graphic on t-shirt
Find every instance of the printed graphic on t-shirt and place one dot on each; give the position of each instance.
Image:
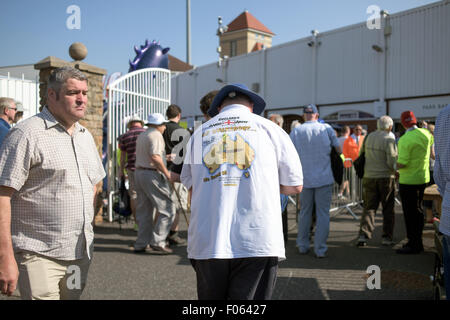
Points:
(235, 152)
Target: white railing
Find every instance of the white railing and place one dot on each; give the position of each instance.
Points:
(25, 91)
(139, 93)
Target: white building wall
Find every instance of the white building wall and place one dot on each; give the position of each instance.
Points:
(25, 91)
(25, 71)
(244, 69)
(348, 67)
(418, 52)
(189, 87)
(343, 71)
(289, 72)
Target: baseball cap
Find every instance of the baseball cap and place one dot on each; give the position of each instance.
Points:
(310, 108)
(408, 119)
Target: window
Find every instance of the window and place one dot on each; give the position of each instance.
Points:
(233, 48)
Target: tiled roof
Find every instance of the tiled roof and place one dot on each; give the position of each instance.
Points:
(247, 21)
(176, 64)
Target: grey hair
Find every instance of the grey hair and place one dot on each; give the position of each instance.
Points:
(278, 119)
(295, 124)
(384, 123)
(6, 103)
(59, 76)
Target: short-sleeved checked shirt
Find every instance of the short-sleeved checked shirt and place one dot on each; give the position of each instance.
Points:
(127, 143)
(54, 175)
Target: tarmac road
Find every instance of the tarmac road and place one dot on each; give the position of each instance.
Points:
(117, 273)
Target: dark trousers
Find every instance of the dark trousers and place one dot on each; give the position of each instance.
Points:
(412, 198)
(376, 191)
(236, 279)
(284, 217)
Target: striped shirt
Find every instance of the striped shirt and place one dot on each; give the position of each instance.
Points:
(54, 175)
(442, 165)
(127, 143)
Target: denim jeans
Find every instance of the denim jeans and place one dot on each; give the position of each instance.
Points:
(322, 198)
(446, 258)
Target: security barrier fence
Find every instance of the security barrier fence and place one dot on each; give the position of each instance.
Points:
(345, 197)
(349, 194)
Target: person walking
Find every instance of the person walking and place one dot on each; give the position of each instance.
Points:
(379, 182)
(414, 149)
(153, 190)
(313, 141)
(278, 119)
(127, 145)
(49, 168)
(235, 167)
(174, 138)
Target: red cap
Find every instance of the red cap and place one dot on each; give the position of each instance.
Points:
(408, 119)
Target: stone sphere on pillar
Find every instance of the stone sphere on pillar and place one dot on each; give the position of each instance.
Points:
(78, 51)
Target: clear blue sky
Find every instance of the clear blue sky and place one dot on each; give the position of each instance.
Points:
(31, 30)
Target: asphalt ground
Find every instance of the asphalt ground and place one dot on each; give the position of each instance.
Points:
(117, 273)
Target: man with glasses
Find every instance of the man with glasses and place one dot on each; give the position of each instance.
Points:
(8, 111)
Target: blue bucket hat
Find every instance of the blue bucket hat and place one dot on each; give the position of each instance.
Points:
(258, 103)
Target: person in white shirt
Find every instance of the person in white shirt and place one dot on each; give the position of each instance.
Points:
(235, 167)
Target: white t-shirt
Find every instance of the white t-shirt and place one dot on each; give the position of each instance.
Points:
(235, 164)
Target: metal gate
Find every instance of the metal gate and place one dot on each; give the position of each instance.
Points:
(141, 93)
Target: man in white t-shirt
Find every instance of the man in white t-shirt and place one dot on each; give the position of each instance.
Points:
(235, 167)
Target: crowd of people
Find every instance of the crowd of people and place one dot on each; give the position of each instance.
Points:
(234, 174)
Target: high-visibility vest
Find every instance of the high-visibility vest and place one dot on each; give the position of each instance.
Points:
(351, 149)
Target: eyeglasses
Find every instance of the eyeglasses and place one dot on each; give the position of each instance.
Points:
(15, 109)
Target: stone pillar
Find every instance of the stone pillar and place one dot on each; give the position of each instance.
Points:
(93, 119)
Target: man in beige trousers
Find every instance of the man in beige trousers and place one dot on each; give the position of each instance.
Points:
(49, 167)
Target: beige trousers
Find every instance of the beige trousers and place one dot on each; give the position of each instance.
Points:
(44, 278)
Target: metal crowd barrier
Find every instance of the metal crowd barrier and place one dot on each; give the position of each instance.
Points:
(351, 198)
(352, 195)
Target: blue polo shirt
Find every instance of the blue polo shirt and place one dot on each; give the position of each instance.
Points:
(4, 129)
(313, 141)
